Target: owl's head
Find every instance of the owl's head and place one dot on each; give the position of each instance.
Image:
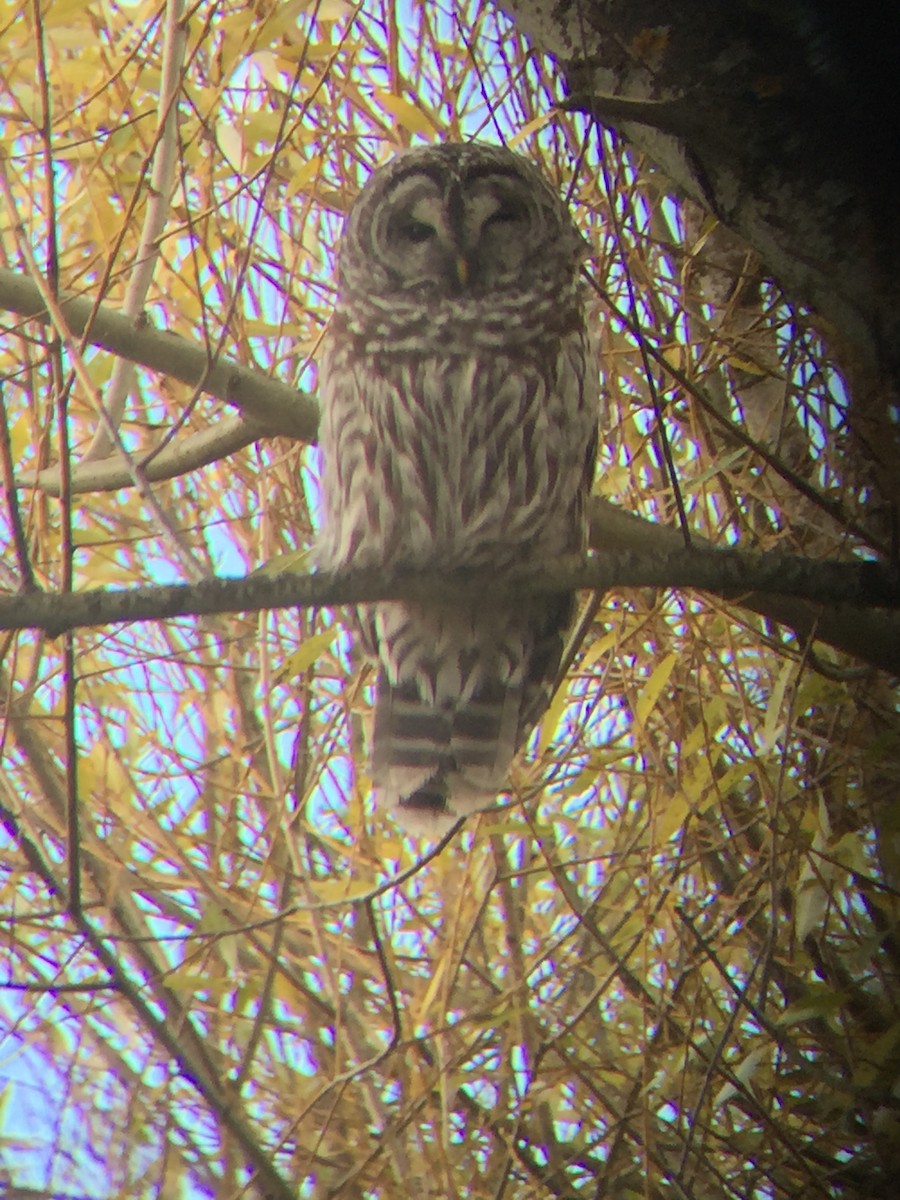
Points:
(457, 220)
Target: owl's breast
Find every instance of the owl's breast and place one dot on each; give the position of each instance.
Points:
(456, 459)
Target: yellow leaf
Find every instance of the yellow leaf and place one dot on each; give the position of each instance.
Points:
(333, 10)
(719, 467)
(184, 980)
(296, 560)
(813, 891)
(434, 986)
(675, 356)
(287, 991)
(261, 129)
(231, 143)
(99, 567)
(268, 64)
(746, 365)
(552, 718)
(692, 741)
(739, 770)
(744, 1073)
(653, 689)
(63, 14)
(850, 852)
(340, 890)
(406, 114)
(699, 791)
(295, 664)
(531, 127)
(284, 21)
(819, 1001)
(674, 815)
(599, 647)
(27, 98)
(709, 225)
(772, 725)
(301, 177)
(107, 776)
(21, 436)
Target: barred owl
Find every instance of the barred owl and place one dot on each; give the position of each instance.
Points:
(458, 428)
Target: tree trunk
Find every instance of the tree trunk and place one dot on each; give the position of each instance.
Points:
(780, 119)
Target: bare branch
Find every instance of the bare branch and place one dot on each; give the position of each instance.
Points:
(867, 634)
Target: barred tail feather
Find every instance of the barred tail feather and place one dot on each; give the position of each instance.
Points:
(431, 763)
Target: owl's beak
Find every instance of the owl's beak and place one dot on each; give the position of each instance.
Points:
(461, 264)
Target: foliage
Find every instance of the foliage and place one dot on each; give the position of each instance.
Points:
(669, 965)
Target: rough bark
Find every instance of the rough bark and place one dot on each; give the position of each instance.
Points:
(780, 119)
(851, 605)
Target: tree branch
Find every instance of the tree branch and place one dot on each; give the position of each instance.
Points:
(273, 408)
(163, 154)
(868, 634)
(728, 573)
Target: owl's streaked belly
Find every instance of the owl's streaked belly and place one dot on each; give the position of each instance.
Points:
(455, 460)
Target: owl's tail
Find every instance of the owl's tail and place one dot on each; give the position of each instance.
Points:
(433, 763)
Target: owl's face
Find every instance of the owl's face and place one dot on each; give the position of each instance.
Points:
(456, 221)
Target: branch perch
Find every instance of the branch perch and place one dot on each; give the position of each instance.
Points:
(727, 573)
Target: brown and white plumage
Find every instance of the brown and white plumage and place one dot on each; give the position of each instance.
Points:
(458, 421)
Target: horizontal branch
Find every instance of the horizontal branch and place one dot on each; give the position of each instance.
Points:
(727, 573)
(869, 634)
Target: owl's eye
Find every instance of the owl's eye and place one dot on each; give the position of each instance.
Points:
(508, 214)
(417, 232)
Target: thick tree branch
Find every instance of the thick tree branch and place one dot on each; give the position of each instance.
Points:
(868, 634)
(723, 572)
(777, 119)
(768, 115)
